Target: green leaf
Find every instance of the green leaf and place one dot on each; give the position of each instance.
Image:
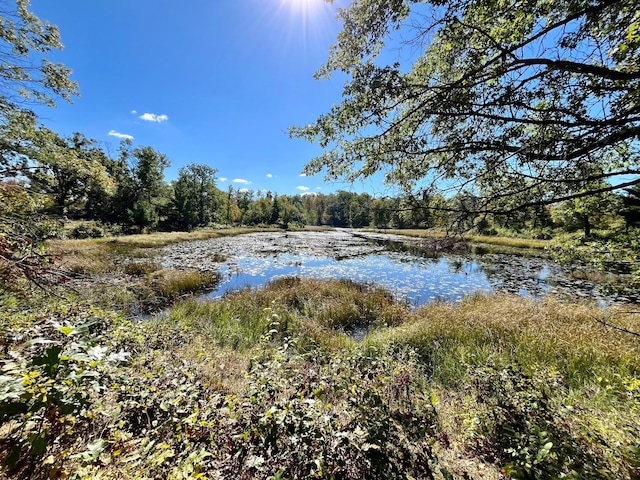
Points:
(39, 444)
(543, 452)
(50, 359)
(14, 456)
(93, 451)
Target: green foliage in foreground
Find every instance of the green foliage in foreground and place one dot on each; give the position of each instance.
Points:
(271, 384)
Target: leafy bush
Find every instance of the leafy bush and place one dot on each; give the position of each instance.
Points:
(23, 231)
(356, 417)
(88, 230)
(54, 371)
(527, 433)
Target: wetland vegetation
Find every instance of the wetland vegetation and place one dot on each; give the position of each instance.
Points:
(305, 377)
(480, 323)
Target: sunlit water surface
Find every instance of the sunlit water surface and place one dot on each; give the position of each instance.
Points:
(413, 274)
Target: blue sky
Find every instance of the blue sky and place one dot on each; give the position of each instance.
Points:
(215, 82)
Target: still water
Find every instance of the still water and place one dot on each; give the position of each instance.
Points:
(397, 263)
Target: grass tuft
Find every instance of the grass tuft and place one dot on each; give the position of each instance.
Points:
(141, 268)
(173, 283)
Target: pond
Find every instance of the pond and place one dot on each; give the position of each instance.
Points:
(398, 263)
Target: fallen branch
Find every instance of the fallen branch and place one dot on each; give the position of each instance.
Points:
(615, 327)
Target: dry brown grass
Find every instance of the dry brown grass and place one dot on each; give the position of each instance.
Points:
(173, 283)
(512, 242)
(97, 255)
(534, 334)
(82, 256)
(339, 304)
(141, 268)
(225, 368)
(162, 239)
(149, 240)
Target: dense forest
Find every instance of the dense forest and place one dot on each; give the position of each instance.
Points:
(75, 179)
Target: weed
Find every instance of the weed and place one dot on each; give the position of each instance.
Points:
(56, 368)
(170, 284)
(269, 383)
(525, 431)
(87, 230)
(141, 268)
(218, 258)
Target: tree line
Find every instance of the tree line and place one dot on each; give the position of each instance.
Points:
(74, 178)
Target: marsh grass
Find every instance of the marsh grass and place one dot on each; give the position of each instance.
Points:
(507, 375)
(321, 312)
(233, 322)
(257, 383)
(511, 242)
(452, 338)
(506, 330)
(338, 304)
(162, 239)
(95, 255)
(120, 271)
(141, 268)
(82, 256)
(218, 258)
(170, 284)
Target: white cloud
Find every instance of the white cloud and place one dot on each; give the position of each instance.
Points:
(269, 175)
(134, 112)
(223, 179)
(310, 194)
(303, 174)
(113, 133)
(152, 117)
(302, 188)
(243, 190)
(241, 180)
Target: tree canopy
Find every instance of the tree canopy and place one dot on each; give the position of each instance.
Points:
(28, 78)
(509, 104)
(25, 72)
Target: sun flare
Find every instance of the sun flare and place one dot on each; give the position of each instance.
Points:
(306, 24)
(306, 6)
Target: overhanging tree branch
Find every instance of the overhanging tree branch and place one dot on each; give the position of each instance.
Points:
(521, 110)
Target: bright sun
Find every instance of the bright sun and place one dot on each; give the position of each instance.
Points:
(304, 2)
(305, 5)
(309, 18)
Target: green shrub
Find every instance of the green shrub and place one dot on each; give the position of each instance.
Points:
(56, 370)
(524, 431)
(88, 230)
(353, 417)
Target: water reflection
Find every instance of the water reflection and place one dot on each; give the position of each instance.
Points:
(415, 279)
(404, 267)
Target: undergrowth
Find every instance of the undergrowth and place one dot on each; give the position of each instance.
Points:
(272, 384)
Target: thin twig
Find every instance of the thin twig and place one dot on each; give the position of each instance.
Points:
(615, 327)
